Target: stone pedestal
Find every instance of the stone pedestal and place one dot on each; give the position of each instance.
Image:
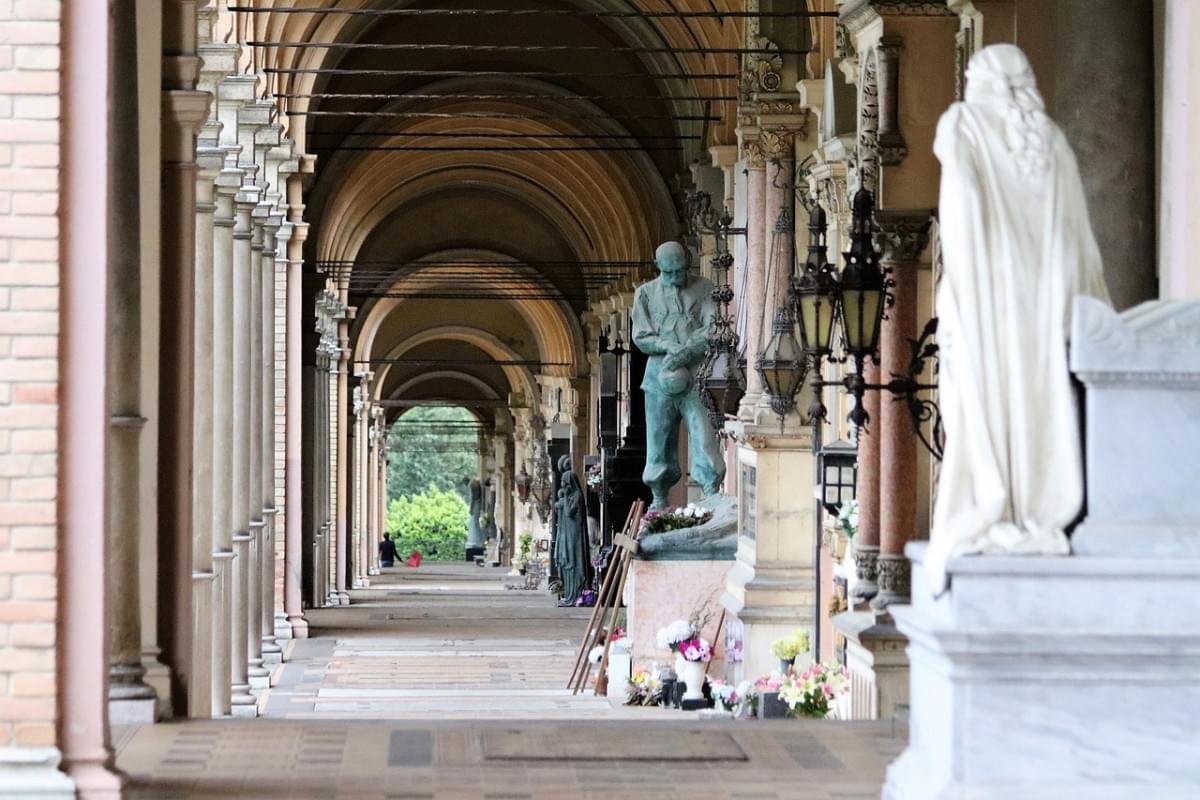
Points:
(1078, 676)
(1052, 677)
(659, 592)
(878, 665)
(771, 588)
(32, 772)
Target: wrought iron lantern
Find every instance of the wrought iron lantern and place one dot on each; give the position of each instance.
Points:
(857, 298)
(782, 364)
(863, 287)
(816, 292)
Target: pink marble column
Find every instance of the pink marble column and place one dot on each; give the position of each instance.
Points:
(83, 421)
(903, 237)
(866, 540)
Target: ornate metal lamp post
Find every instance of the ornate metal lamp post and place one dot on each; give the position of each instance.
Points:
(818, 300)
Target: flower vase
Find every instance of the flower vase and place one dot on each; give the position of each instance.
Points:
(785, 665)
(693, 676)
(679, 662)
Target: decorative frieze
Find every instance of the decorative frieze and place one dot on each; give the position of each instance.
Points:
(858, 14)
(890, 141)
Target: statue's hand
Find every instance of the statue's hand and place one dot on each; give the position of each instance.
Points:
(674, 359)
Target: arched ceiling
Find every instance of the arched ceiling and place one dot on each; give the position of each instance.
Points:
(538, 154)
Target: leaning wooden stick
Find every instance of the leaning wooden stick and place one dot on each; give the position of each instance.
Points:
(602, 672)
(613, 595)
(605, 588)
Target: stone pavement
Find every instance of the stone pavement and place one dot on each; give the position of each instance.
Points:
(438, 683)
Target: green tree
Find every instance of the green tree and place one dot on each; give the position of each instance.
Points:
(433, 522)
(432, 446)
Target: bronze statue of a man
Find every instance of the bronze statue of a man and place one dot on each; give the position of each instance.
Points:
(672, 317)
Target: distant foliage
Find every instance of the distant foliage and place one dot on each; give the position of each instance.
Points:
(433, 522)
(421, 455)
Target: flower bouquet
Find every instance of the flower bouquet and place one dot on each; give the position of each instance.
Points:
(848, 518)
(812, 693)
(670, 637)
(645, 689)
(726, 696)
(675, 519)
(594, 478)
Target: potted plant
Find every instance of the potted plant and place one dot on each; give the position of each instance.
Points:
(786, 648)
(524, 550)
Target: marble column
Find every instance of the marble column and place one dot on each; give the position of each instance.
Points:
(293, 545)
(223, 519)
(755, 279)
(130, 699)
(333, 480)
(209, 159)
(866, 540)
(343, 417)
(272, 653)
(83, 426)
(183, 113)
(246, 200)
(1179, 236)
(256, 673)
(902, 238)
(372, 491)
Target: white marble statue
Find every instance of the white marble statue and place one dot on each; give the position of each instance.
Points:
(1018, 246)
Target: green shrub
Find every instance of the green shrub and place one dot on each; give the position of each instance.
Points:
(433, 522)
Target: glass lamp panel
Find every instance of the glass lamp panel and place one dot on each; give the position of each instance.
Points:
(810, 322)
(852, 319)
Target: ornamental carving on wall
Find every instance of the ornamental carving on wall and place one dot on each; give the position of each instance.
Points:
(901, 238)
(761, 72)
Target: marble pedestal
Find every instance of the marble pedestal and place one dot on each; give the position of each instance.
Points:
(32, 773)
(659, 592)
(1052, 678)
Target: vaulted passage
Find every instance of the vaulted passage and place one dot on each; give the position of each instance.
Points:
(369, 366)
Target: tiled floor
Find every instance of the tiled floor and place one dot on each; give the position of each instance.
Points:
(438, 683)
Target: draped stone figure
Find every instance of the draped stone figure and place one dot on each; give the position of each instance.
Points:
(1018, 246)
(671, 320)
(474, 529)
(572, 553)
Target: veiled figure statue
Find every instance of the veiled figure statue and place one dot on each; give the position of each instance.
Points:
(572, 554)
(474, 528)
(1018, 246)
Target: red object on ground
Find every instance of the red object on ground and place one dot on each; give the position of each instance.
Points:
(414, 560)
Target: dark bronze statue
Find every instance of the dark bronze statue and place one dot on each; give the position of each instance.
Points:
(572, 554)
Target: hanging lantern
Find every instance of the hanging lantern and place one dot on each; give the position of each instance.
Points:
(721, 377)
(862, 286)
(782, 364)
(816, 292)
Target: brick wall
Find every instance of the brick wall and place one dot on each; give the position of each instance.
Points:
(29, 157)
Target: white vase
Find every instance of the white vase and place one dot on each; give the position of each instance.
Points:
(693, 675)
(679, 662)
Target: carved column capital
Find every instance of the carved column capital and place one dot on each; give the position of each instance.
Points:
(901, 236)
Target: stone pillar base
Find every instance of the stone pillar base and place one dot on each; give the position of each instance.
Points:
(1048, 677)
(878, 664)
(31, 773)
(343, 598)
(244, 710)
(142, 711)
